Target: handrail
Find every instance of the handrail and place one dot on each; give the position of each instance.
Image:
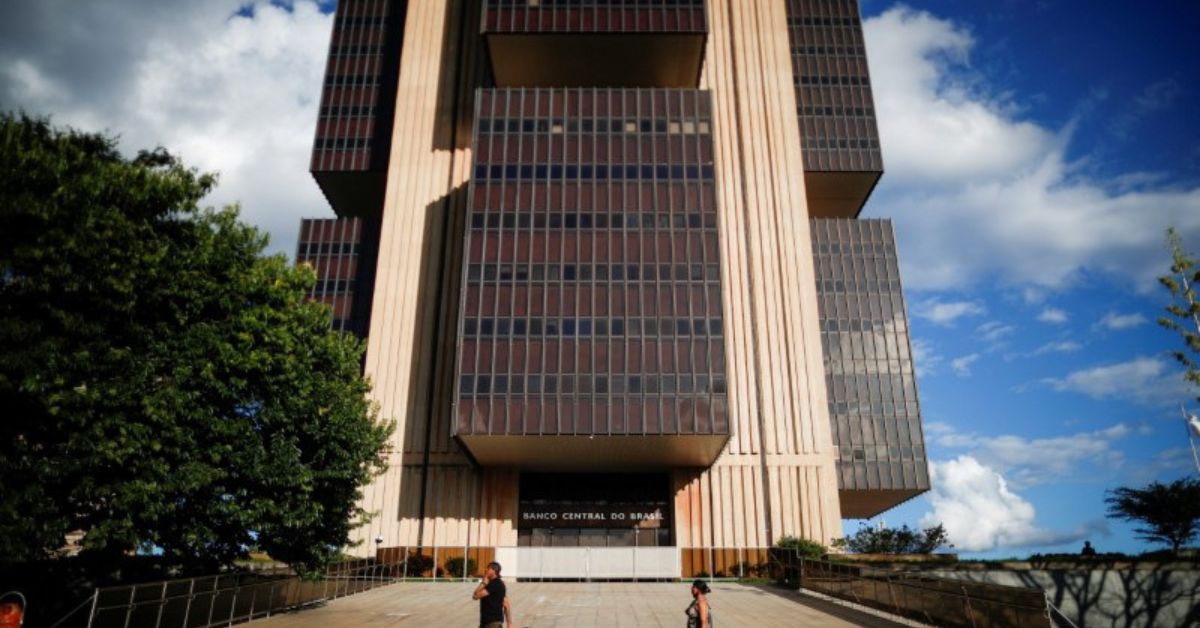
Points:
(1056, 614)
(939, 601)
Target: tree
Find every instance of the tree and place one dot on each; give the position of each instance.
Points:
(1184, 308)
(1168, 513)
(902, 540)
(165, 385)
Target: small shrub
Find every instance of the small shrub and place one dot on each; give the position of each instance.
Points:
(454, 567)
(808, 549)
(419, 565)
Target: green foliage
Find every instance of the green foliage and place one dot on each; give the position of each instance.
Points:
(1167, 513)
(418, 565)
(806, 548)
(164, 384)
(902, 540)
(1184, 309)
(454, 567)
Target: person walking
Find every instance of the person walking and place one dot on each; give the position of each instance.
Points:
(495, 608)
(699, 613)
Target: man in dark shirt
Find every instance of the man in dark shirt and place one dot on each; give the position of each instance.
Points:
(494, 607)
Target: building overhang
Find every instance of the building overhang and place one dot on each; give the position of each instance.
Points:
(595, 453)
(596, 59)
(839, 194)
(353, 193)
(864, 504)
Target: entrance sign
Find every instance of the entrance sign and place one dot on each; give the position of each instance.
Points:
(591, 516)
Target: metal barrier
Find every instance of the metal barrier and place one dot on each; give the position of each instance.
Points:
(227, 599)
(932, 600)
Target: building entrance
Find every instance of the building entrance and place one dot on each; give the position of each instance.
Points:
(594, 510)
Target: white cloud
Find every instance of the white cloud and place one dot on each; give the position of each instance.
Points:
(980, 194)
(1032, 461)
(1053, 315)
(962, 365)
(994, 332)
(925, 358)
(982, 513)
(225, 92)
(947, 312)
(1146, 380)
(1113, 321)
(1058, 346)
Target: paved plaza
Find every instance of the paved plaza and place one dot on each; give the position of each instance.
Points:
(576, 605)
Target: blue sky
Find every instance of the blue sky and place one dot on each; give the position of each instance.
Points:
(1036, 152)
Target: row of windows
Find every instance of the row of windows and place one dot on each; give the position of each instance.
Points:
(881, 452)
(333, 286)
(596, 172)
(858, 248)
(823, 21)
(602, 4)
(857, 268)
(857, 325)
(347, 111)
(589, 327)
(806, 79)
(361, 20)
(593, 272)
(355, 51)
(860, 386)
(862, 409)
(840, 112)
(603, 125)
(342, 143)
(328, 248)
(469, 385)
(826, 143)
(829, 50)
(588, 220)
(872, 287)
(352, 80)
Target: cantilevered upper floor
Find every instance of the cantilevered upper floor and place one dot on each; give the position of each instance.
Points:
(842, 161)
(591, 332)
(354, 123)
(595, 43)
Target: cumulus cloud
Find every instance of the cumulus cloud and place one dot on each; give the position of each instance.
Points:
(1053, 315)
(925, 357)
(1113, 321)
(1032, 461)
(1145, 380)
(962, 365)
(980, 511)
(978, 193)
(227, 85)
(947, 312)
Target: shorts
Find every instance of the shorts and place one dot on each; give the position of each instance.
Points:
(494, 624)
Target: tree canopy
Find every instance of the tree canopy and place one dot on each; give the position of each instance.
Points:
(1166, 513)
(902, 540)
(165, 386)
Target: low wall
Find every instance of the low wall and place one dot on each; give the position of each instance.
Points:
(1108, 595)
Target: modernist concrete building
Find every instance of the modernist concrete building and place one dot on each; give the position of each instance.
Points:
(606, 261)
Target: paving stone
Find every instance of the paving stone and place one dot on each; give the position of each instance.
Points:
(575, 605)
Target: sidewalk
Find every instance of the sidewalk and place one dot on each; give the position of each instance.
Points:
(575, 605)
